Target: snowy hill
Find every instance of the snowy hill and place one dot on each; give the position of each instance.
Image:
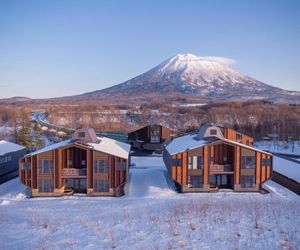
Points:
(205, 77)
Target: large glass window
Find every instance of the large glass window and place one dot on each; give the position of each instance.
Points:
(247, 181)
(45, 166)
(45, 186)
(195, 181)
(195, 162)
(155, 134)
(101, 185)
(248, 161)
(101, 166)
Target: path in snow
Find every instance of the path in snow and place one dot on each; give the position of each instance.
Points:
(149, 178)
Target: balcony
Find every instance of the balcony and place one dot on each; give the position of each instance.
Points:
(73, 173)
(221, 169)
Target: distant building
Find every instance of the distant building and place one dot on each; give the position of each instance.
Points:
(150, 137)
(217, 158)
(10, 153)
(96, 166)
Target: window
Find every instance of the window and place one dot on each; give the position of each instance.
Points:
(121, 166)
(81, 134)
(26, 165)
(195, 162)
(239, 137)
(101, 185)
(213, 132)
(101, 166)
(5, 159)
(247, 142)
(247, 181)
(176, 162)
(45, 186)
(45, 166)
(195, 181)
(248, 162)
(155, 134)
(266, 162)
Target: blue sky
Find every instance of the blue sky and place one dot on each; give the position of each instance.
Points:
(64, 47)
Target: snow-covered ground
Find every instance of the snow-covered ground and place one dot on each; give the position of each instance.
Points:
(150, 216)
(279, 147)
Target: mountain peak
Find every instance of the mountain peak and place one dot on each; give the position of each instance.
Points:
(199, 76)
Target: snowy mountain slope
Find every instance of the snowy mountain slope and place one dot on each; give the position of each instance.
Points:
(199, 76)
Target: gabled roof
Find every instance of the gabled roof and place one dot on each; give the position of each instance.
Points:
(184, 143)
(189, 142)
(103, 144)
(7, 147)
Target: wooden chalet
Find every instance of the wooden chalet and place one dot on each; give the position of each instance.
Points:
(217, 158)
(96, 166)
(150, 137)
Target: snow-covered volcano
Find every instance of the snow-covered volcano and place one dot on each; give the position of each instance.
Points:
(199, 76)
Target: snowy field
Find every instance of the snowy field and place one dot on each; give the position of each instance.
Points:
(151, 216)
(279, 147)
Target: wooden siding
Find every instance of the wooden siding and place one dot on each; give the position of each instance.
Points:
(62, 158)
(218, 153)
(237, 172)
(206, 165)
(258, 167)
(231, 134)
(165, 134)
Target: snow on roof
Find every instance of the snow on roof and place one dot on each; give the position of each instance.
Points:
(245, 146)
(106, 145)
(7, 147)
(51, 147)
(188, 142)
(113, 147)
(183, 143)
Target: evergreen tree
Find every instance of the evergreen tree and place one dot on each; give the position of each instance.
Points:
(23, 134)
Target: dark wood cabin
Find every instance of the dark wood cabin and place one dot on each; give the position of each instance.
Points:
(10, 153)
(150, 137)
(208, 161)
(96, 166)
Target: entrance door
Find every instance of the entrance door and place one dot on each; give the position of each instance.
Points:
(220, 181)
(78, 185)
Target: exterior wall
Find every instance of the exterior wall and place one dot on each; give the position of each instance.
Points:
(177, 166)
(9, 164)
(61, 159)
(232, 135)
(143, 135)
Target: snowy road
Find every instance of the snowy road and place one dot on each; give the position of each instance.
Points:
(149, 178)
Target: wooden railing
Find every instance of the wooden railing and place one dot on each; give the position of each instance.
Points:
(219, 168)
(73, 172)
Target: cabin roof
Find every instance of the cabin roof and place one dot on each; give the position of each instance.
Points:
(184, 143)
(190, 141)
(7, 147)
(104, 144)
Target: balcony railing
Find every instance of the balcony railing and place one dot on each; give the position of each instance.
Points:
(73, 172)
(220, 168)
